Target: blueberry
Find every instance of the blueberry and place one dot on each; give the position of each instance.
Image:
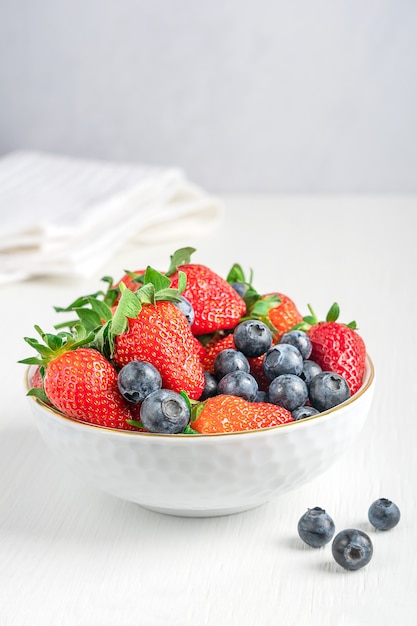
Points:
(240, 288)
(316, 527)
(186, 307)
(299, 339)
(352, 549)
(327, 390)
(310, 369)
(230, 360)
(138, 379)
(302, 412)
(210, 387)
(252, 338)
(261, 396)
(288, 390)
(240, 384)
(384, 514)
(282, 359)
(164, 411)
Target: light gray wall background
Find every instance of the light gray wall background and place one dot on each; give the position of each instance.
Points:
(262, 96)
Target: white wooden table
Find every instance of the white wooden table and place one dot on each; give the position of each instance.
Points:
(71, 556)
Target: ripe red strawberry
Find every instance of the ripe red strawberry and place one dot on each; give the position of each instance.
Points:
(283, 316)
(216, 304)
(223, 414)
(161, 335)
(79, 381)
(338, 348)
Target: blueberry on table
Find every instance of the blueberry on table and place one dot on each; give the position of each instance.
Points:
(186, 307)
(352, 549)
(300, 340)
(164, 411)
(230, 360)
(239, 384)
(316, 527)
(384, 514)
(288, 391)
(327, 390)
(282, 359)
(252, 338)
(138, 379)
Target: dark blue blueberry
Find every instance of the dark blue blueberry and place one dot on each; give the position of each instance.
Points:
(352, 549)
(210, 387)
(384, 514)
(164, 411)
(252, 338)
(186, 307)
(327, 390)
(239, 384)
(302, 412)
(310, 369)
(240, 288)
(282, 359)
(261, 396)
(288, 391)
(300, 340)
(316, 527)
(138, 379)
(230, 360)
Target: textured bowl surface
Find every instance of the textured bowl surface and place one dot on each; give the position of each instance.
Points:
(206, 475)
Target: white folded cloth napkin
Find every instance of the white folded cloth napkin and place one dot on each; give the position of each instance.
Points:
(65, 216)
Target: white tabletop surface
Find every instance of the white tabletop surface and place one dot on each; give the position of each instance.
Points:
(72, 556)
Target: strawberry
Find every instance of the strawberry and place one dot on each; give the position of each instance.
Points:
(216, 304)
(337, 347)
(283, 316)
(223, 414)
(147, 326)
(79, 381)
(160, 334)
(275, 309)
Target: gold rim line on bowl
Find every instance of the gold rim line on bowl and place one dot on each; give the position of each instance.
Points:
(54, 411)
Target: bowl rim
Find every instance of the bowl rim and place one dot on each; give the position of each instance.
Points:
(369, 380)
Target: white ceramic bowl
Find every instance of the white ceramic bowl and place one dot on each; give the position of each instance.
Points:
(206, 475)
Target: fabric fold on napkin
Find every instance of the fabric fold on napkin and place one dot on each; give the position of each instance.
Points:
(65, 216)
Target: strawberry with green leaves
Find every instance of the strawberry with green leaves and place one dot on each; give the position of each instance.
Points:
(275, 309)
(337, 347)
(78, 380)
(224, 414)
(147, 326)
(216, 304)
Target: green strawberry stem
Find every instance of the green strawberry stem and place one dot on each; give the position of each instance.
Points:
(312, 319)
(180, 257)
(55, 345)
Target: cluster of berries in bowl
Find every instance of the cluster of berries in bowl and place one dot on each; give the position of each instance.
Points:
(186, 351)
(192, 394)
